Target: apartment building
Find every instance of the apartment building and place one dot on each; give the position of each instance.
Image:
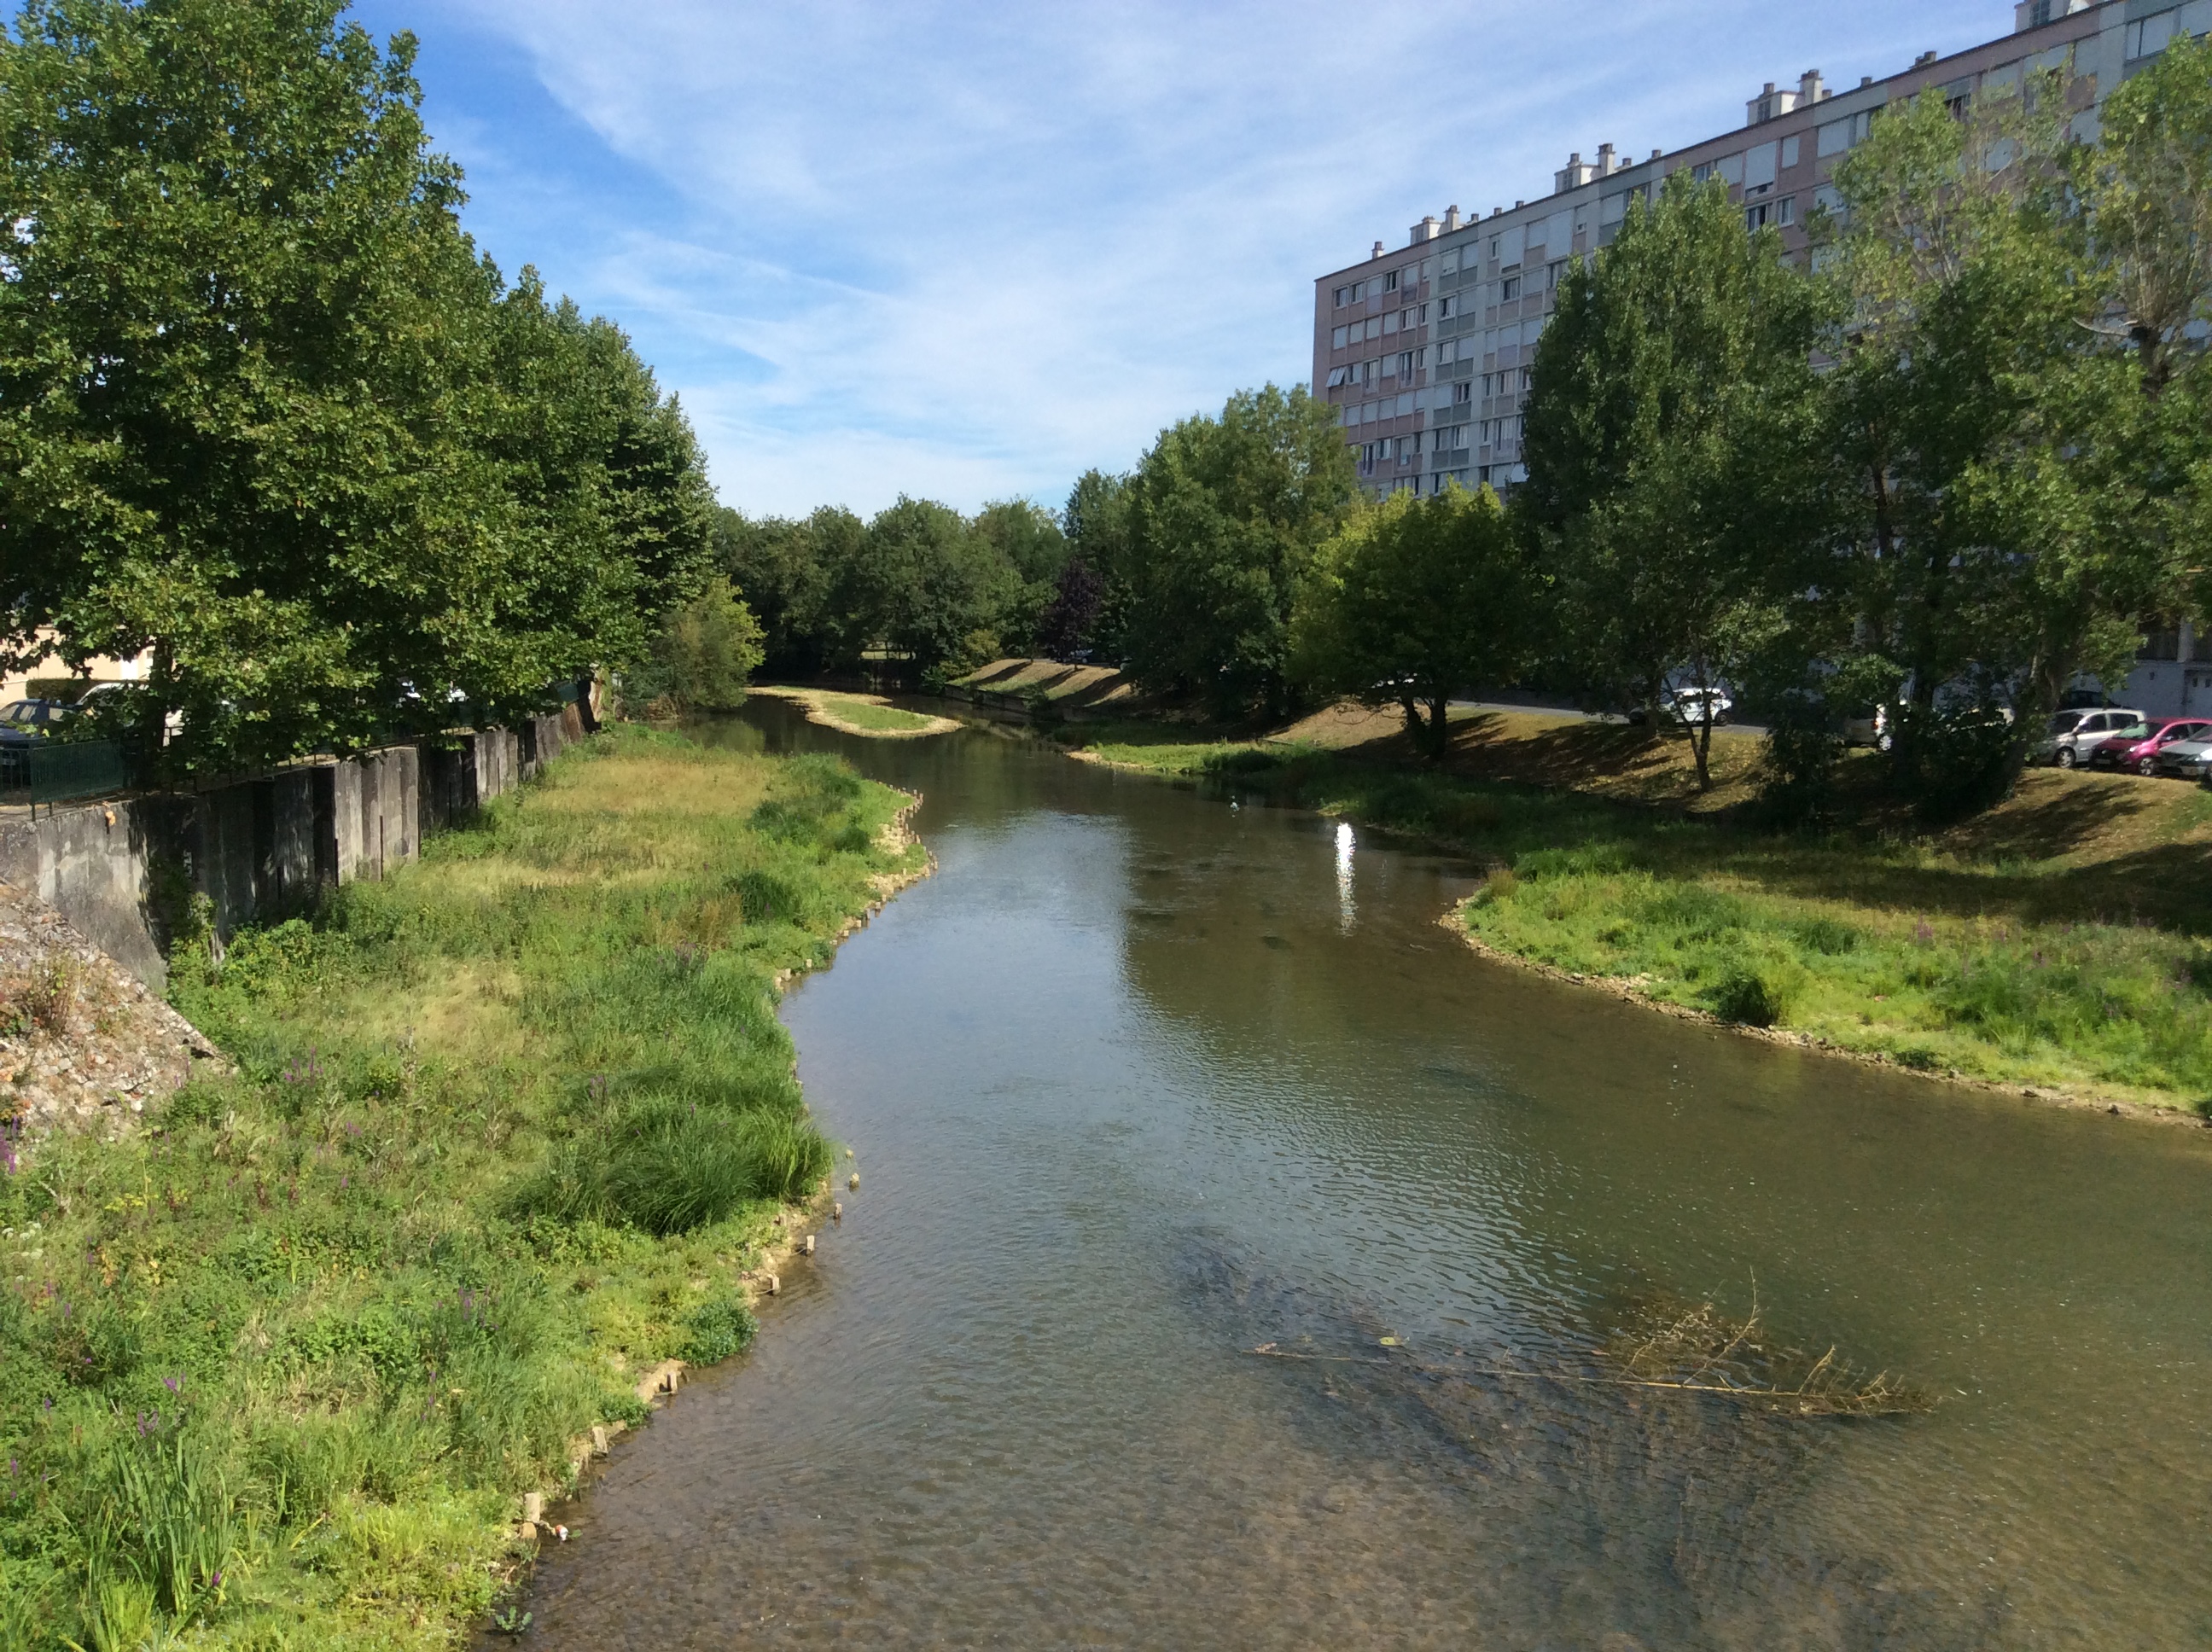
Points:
(1426, 351)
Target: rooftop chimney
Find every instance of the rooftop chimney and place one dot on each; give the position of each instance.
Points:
(1378, 252)
(1770, 103)
(1452, 218)
(1607, 163)
(2034, 13)
(1427, 230)
(1573, 175)
(1925, 58)
(1809, 88)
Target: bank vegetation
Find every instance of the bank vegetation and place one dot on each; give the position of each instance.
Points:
(505, 1131)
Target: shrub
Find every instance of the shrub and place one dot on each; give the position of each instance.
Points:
(1829, 936)
(1752, 995)
(716, 1331)
(1797, 765)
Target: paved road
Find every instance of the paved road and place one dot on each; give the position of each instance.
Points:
(1582, 716)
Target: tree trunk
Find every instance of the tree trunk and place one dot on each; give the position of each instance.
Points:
(1439, 727)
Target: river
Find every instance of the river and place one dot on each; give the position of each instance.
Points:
(1139, 1082)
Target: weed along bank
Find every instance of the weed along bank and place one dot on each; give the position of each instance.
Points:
(508, 1139)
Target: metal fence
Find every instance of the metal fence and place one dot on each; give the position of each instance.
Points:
(59, 771)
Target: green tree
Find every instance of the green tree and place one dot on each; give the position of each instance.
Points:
(2149, 193)
(266, 413)
(1224, 516)
(705, 655)
(788, 571)
(924, 585)
(1029, 540)
(1091, 607)
(1673, 446)
(1997, 540)
(1416, 599)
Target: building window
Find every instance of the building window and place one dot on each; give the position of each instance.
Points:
(1405, 365)
(1339, 338)
(2159, 644)
(2153, 35)
(1509, 290)
(1447, 308)
(1840, 135)
(1390, 281)
(1464, 392)
(1337, 376)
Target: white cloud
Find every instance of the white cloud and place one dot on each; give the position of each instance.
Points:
(969, 251)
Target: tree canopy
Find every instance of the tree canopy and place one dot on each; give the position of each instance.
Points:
(267, 413)
(1673, 476)
(1224, 517)
(1419, 598)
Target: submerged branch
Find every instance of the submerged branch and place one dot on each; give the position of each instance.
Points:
(1698, 1351)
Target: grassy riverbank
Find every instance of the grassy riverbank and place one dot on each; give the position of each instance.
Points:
(862, 713)
(506, 1130)
(2058, 943)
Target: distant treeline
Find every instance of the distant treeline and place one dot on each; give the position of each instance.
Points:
(938, 591)
(1951, 468)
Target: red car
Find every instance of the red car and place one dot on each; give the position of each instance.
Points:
(2137, 747)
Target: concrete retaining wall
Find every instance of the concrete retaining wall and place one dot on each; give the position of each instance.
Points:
(260, 848)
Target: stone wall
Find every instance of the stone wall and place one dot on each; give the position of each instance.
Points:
(263, 847)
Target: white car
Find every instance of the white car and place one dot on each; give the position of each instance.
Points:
(1697, 706)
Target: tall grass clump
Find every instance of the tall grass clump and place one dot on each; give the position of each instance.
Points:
(502, 1130)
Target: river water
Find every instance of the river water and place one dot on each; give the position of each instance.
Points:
(1139, 1082)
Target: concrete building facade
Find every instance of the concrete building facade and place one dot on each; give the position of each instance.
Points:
(1426, 351)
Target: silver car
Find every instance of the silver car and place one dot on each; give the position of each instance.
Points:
(2190, 759)
(2073, 734)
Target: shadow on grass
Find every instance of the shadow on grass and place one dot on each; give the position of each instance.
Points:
(2161, 883)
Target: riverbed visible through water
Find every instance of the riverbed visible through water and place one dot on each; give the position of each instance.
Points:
(1140, 1081)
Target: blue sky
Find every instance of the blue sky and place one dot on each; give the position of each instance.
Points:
(967, 251)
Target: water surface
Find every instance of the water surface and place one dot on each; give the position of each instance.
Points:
(1139, 1082)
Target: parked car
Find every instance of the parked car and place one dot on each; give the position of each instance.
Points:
(2137, 747)
(2073, 735)
(1870, 728)
(1696, 706)
(2191, 759)
(23, 724)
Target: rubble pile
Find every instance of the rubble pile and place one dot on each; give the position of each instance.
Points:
(83, 1043)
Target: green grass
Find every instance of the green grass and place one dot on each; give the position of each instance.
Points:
(504, 1132)
(2078, 972)
(868, 714)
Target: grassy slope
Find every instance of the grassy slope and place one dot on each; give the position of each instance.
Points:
(322, 1324)
(2058, 941)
